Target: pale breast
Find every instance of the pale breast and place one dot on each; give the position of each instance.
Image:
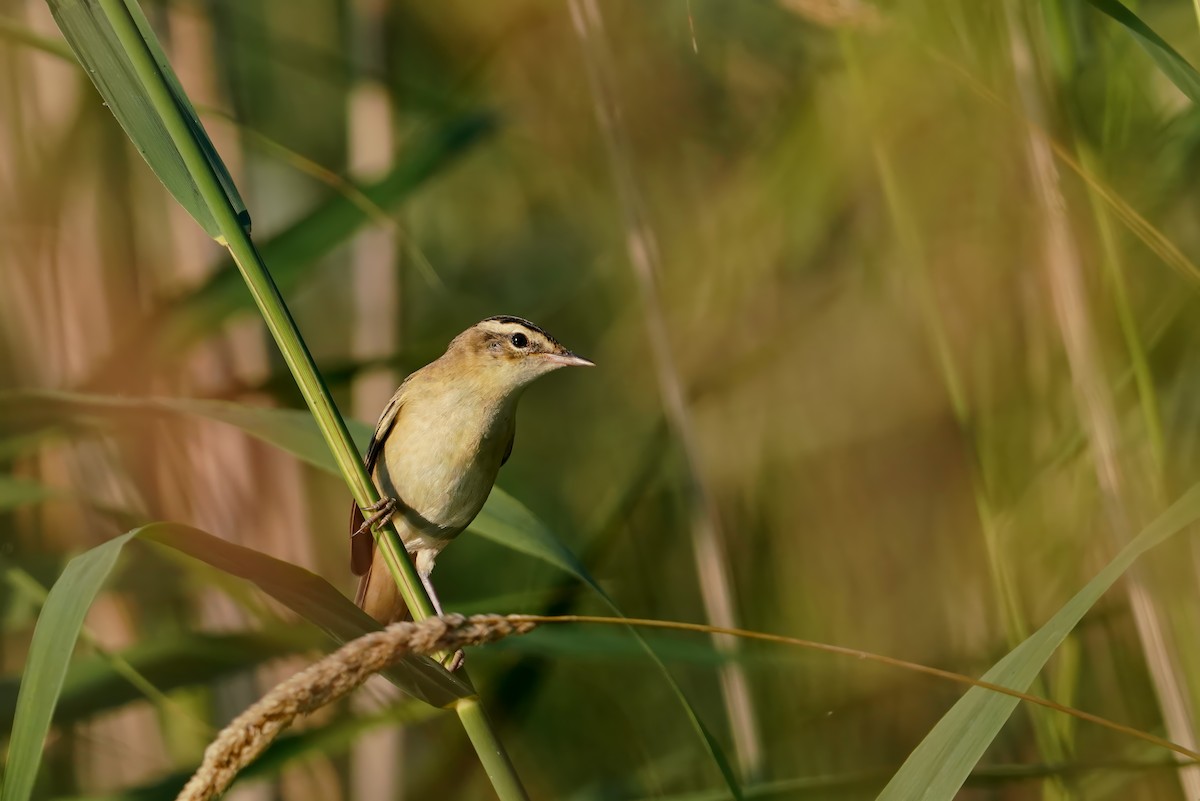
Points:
(440, 461)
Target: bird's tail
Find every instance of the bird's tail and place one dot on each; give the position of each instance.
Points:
(378, 595)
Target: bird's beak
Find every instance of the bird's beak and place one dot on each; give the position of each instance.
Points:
(568, 359)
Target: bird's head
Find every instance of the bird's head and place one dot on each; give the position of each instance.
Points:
(508, 353)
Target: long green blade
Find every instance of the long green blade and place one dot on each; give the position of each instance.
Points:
(49, 654)
(311, 597)
(126, 87)
(1168, 59)
(940, 765)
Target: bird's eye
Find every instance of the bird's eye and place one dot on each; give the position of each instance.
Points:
(519, 340)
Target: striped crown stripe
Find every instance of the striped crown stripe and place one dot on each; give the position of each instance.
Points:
(505, 318)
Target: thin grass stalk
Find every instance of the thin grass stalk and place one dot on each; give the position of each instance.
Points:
(913, 257)
(708, 540)
(1065, 273)
(1154, 239)
(880, 659)
(1062, 46)
(1138, 358)
(300, 362)
(351, 192)
(1148, 400)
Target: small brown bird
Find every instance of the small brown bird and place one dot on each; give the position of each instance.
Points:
(438, 447)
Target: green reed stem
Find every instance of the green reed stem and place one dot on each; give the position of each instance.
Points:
(300, 362)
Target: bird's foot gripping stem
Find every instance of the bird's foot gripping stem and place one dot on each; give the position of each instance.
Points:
(379, 512)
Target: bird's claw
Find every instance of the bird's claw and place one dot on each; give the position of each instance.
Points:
(380, 512)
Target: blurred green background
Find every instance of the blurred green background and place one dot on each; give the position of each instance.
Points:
(894, 310)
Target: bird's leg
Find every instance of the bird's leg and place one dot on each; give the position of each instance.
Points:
(424, 560)
(425, 557)
(379, 512)
(433, 596)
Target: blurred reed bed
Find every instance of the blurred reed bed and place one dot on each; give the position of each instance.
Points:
(920, 427)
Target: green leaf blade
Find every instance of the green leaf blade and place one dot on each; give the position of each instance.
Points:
(89, 30)
(1174, 66)
(50, 651)
(311, 597)
(937, 769)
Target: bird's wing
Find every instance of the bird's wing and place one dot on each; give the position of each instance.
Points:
(362, 547)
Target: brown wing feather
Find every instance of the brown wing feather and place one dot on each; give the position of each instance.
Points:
(362, 547)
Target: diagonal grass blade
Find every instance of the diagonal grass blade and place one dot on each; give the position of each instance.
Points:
(1168, 59)
(939, 766)
(126, 89)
